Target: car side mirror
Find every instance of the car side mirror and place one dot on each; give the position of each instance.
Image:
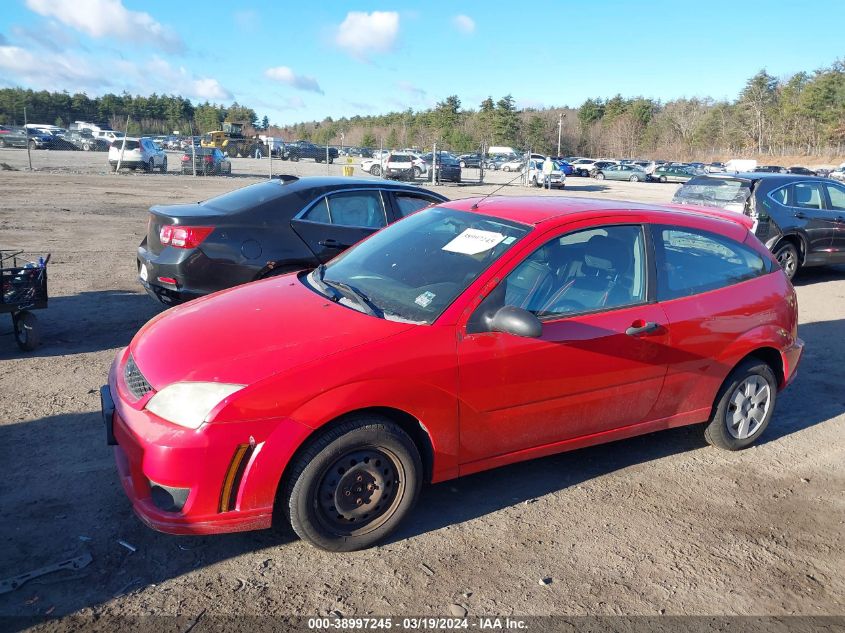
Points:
(516, 321)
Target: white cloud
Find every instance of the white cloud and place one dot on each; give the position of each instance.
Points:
(363, 33)
(417, 94)
(287, 76)
(464, 24)
(50, 71)
(108, 18)
(208, 88)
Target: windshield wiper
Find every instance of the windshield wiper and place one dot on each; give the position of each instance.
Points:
(320, 272)
(351, 292)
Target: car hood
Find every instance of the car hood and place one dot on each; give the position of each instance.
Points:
(248, 333)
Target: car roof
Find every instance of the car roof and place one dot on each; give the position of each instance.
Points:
(345, 182)
(763, 175)
(535, 210)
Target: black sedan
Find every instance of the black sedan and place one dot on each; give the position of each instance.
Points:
(470, 160)
(11, 136)
(448, 167)
(801, 219)
(270, 228)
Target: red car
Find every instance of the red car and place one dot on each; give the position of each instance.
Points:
(467, 336)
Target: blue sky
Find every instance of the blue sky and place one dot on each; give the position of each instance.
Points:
(296, 61)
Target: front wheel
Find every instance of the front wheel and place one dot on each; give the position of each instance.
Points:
(375, 170)
(634, 179)
(662, 179)
(163, 168)
(417, 171)
(744, 406)
(787, 256)
(353, 485)
(26, 330)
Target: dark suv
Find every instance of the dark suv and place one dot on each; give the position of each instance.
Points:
(801, 219)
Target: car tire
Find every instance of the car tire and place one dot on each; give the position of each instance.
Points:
(331, 161)
(463, 165)
(150, 166)
(599, 176)
(163, 168)
(506, 168)
(375, 170)
(26, 330)
(634, 179)
(737, 420)
(2, 144)
(788, 258)
(662, 179)
(294, 157)
(353, 485)
(417, 171)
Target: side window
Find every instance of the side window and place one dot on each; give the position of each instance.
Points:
(836, 194)
(409, 203)
(318, 213)
(780, 195)
(807, 195)
(585, 271)
(690, 262)
(357, 208)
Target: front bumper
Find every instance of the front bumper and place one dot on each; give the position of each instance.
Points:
(153, 453)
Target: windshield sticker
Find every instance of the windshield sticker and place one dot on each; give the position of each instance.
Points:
(473, 242)
(425, 299)
(509, 240)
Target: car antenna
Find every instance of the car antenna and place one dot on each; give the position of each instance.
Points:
(475, 204)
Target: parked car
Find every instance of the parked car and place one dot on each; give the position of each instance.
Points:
(837, 174)
(468, 336)
(801, 219)
(715, 168)
(137, 153)
(265, 229)
(801, 171)
(583, 166)
(470, 160)
(13, 136)
(673, 173)
(599, 165)
(565, 167)
(514, 164)
(631, 172)
(537, 177)
(394, 164)
(495, 163)
(448, 169)
(84, 140)
(771, 169)
(39, 139)
(210, 161)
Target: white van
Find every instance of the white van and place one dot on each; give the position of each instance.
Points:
(498, 150)
(740, 165)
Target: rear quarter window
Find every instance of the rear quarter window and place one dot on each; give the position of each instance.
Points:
(690, 262)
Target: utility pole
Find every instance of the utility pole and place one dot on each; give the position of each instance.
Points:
(26, 132)
(559, 128)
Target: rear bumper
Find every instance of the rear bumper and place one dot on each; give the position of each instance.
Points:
(152, 452)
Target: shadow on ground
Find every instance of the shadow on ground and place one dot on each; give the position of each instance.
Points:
(61, 495)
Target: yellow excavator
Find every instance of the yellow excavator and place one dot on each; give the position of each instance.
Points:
(232, 141)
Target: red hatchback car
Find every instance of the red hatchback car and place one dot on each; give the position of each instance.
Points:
(467, 336)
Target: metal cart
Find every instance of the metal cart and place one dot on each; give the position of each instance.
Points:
(23, 287)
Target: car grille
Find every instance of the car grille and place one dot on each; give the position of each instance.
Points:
(135, 381)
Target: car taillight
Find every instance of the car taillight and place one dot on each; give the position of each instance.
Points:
(185, 158)
(209, 159)
(183, 236)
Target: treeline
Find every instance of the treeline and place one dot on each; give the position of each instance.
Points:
(155, 114)
(799, 115)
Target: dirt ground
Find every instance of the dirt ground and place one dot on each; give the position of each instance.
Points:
(660, 524)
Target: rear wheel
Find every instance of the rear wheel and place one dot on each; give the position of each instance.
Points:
(26, 330)
(744, 406)
(353, 485)
(2, 143)
(150, 166)
(634, 179)
(33, 146)
(599, 176)
(417, 171)
(375, 170)
(662, 179)
(787, 256)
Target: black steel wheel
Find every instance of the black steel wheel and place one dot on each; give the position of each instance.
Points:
(353, 485)
(27, 335)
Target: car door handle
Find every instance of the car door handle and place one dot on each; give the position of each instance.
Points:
(641, 327)
(800, 215)
(332, 243)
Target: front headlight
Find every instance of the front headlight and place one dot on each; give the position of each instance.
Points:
(189, 403)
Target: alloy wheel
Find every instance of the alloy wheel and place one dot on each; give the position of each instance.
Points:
(748, 406)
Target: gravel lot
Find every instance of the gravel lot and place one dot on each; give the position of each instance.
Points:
(656, 524)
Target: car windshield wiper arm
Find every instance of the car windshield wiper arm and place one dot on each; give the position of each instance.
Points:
(320, 271)
(359, 297)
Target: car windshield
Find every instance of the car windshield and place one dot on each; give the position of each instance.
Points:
(413, 270)
(725, 193)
